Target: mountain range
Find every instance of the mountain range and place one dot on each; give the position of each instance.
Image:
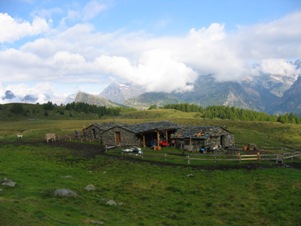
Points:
(270, 93)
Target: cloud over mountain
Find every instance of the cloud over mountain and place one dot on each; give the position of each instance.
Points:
(70, 49)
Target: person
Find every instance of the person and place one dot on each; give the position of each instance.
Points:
(76, 134)
(202, 149)
(153, 144)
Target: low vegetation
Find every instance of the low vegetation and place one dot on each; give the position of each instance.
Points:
(144, 193)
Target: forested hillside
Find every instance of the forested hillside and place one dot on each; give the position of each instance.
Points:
(234, 113)
(53, 111)
(87, 111)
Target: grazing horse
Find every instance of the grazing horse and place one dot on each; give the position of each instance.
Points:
(50, 136)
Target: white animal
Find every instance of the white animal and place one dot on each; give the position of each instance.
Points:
(50, 136)
(19, 136)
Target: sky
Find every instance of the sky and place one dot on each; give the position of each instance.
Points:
(60, 47)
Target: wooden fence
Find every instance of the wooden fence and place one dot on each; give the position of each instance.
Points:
(278, 158)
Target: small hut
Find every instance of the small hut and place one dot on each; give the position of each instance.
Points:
(112, 134)
(193, 138)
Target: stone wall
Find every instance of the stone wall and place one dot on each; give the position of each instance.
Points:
(126, 137)
(92, 133)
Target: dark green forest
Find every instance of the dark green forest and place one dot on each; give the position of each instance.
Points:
(87, 108)
(87, 111)
(53, 111)
(234, 113)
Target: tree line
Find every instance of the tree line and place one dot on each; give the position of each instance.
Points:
(87, 108)
(25, 109)
(234, 113)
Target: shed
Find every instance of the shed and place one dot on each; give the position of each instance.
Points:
(193, 138)
(111, 134)
(154, 133)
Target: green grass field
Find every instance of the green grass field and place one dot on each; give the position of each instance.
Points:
(147, 194)
(150, 194)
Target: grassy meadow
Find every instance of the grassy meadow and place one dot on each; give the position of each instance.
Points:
(146, 194)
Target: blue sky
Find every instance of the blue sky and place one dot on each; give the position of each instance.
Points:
(61, 47)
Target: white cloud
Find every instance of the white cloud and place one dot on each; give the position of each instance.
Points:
(79, 13)
(278, 67)
(47, 13)
(13, 30)
(41, 91)
(156, 70)
(81, 55)
(92, 9)
(276, 39)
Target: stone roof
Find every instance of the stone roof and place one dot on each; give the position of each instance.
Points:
(139, 127)
(152, 126)
(181, 131)
(201, 132)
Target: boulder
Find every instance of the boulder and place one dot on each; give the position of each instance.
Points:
(8, 183)
(64, 192)
(111, 203)
(90, 187)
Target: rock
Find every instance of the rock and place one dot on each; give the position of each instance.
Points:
(64, 192)
(95, 222)
(90, 187)
(68, 177)
(8, 183)
(111, 203)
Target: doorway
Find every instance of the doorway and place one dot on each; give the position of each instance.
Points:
(117, 138)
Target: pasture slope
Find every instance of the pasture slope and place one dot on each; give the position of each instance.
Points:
(129, 191)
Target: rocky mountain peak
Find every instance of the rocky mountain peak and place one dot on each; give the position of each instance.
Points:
(121, 92)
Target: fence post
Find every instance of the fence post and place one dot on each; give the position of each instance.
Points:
(214, 157)
(239, 157)
(258, 156)
(188, 161)
(165, 157)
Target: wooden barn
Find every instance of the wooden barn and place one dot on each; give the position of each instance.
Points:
(193, 138)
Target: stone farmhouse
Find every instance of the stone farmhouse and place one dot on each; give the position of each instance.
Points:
(161, 133)
(212, 138)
